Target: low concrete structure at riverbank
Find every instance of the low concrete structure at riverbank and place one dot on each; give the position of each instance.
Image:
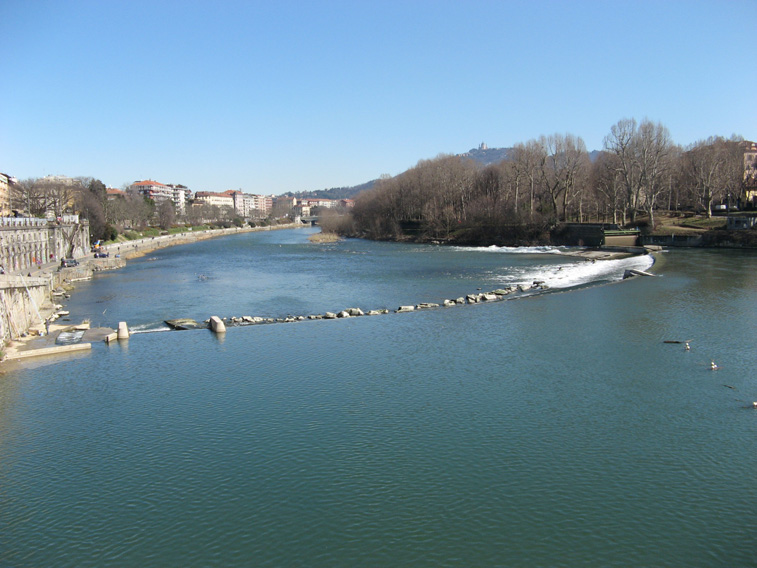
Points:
(79, 338)
(55, 350)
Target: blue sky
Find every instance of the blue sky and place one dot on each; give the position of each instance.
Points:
(270, 97)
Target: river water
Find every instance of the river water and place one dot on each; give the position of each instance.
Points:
(556, 428)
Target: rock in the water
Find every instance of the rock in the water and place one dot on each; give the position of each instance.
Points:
(184, 323)
(503, 291)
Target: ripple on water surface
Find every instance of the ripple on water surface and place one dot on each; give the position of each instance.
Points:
(554, 431)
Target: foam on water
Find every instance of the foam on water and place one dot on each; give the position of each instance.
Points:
(514, 250)
(574, 274)
(149, 328)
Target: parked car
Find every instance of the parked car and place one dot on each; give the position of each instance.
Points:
(68, 262)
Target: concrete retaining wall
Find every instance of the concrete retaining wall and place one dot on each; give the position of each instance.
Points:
(23, 300)
(672, 240)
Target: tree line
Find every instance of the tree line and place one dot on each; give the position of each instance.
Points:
(551, 180)
(107, 215)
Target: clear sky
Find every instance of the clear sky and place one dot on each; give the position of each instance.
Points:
(279, 96)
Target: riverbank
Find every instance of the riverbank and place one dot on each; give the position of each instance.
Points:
(48, 285)
(141, 247)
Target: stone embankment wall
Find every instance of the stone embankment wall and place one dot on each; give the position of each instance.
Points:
(26, 241)
(673, 241)
(24, 303)
(27, 301)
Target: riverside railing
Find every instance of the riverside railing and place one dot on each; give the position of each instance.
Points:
(37, 221)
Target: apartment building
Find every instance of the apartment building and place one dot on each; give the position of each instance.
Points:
(159, 192)
(217, 199)
(750, 172)
(5, 194)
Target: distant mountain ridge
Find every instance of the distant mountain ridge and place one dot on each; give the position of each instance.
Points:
(334, 192)
(483, 155)
(486, 156)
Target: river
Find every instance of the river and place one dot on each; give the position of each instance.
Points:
(556, 428)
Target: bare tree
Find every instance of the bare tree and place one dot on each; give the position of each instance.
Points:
(655, 154)
(44, 197)
(166, 212)
(713, 170)
(562, 170)
(645, 155)
(608, 186)
(527, 159)
(29, 196)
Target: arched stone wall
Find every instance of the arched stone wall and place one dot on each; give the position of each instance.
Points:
(23, 242)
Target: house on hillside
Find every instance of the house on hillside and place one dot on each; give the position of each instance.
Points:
(112, 194)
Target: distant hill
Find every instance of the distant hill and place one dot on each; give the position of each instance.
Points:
(334, 192)
(486, 156)
(483, 155)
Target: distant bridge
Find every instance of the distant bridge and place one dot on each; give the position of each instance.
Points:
(310, 219)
